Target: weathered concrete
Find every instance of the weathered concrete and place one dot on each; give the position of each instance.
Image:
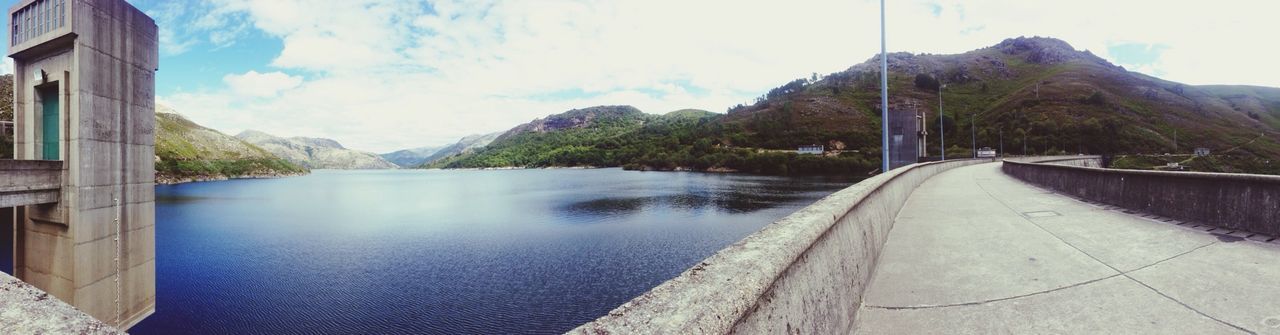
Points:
(25, 183)
(94, 248)
(26, 309)
(1234, 202)
(803, 274)
(975, 251)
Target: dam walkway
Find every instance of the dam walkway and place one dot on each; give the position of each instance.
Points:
(976, 251)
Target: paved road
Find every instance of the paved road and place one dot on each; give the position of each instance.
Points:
(977, 252)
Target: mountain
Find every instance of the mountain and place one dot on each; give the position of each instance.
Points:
(548, 141)
(605, 136)
(1260, 103)
(186, 151)
(1036, 93)
(410, 157)
(315, 153)
(465, 145)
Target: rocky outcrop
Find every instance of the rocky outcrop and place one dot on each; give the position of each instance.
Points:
(578, 118)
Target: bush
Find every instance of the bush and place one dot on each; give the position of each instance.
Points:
(927, 82)
(1096, 99)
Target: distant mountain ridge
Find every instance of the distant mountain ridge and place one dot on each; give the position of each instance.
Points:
(315, 153)
(186, 151)
(410, 157)
(1029, 95)
(465, 145)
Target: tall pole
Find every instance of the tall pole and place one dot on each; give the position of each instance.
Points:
(884, 97)
(1001, 141)
(942, 132)
(973, 133)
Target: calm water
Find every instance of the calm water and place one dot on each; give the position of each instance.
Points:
(449, 252)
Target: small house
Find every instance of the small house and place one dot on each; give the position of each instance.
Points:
(1201, 152)
(810, 150)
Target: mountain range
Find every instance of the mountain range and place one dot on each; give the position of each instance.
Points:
(186, 151)
(466, 145)
(1026, 95)
(315, 153)
(1029, 95)
(410, 157)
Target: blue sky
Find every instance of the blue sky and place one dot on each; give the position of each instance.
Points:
(381, 75)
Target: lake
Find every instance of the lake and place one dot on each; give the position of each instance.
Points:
(443, 251)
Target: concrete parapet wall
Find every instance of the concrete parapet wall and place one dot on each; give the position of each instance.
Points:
(803, 274)
(1233, 201)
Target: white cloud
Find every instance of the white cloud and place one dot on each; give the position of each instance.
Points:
(390, 74)
(254, 84)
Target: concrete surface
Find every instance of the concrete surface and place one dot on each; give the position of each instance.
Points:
(975, 251)
(25, 309)
(95, 247)
(25, 182)
(803, 274)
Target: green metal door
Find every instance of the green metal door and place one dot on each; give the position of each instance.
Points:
(49, 120)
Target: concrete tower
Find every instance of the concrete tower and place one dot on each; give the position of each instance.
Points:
(84, 94)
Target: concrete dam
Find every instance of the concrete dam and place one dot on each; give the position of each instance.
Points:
(1030, 245)
(80, 191)
(1026, 245)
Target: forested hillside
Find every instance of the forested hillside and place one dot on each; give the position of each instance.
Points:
(1031, 95)
(186, 151)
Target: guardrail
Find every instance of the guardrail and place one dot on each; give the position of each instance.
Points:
(29, 182)
(803, 274)
(1241, 202)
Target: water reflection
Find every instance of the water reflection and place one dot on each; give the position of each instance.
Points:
(442, 252)
(726, 194)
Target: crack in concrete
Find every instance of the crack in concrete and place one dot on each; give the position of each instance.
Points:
(1087, 282)
(973, 303)
(1119, 273)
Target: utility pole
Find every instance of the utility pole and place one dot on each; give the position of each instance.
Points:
(1024, 144)
(1175, 141)
(942, 132)
(1002, 141)
(973, 132)
(884, 97)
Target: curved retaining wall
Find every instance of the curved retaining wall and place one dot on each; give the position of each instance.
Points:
(803, 274)
(1242, 202)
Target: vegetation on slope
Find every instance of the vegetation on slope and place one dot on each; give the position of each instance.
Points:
(1033, 95)
(610, 136)
(1229, 163)
(186, 151)
(1030, 95)
(6, 114)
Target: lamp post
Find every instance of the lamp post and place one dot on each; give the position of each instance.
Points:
(884, 97)
(942, 132)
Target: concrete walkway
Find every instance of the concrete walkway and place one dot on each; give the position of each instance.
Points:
(977, 252)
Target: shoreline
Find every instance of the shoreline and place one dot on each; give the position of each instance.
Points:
(174, 180)
(644, 169)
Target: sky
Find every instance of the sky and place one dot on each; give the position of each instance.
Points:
(382, 75)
